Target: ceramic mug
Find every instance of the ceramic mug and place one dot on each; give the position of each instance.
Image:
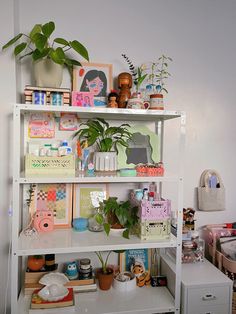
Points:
(137, 103)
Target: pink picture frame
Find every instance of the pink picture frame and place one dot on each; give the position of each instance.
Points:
(82, 99)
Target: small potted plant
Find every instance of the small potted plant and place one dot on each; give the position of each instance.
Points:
(105, 274)
(117, 216)
(98, 132)
(49, 56)
(156, 81)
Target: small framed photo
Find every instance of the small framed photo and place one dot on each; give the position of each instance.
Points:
(86, 197)
(82, 99)
(56, 197)
(68, 122)
(138, 262)
(95, 78)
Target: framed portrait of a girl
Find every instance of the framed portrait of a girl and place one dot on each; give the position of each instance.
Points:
(94, 78)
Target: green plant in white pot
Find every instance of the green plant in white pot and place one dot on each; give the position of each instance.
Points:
(47, 54)
(98, 132)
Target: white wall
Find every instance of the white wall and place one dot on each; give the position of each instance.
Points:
(198, 35)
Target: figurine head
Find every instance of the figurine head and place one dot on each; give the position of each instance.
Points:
(124, 79)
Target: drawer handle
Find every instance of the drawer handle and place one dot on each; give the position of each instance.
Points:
(208, 297)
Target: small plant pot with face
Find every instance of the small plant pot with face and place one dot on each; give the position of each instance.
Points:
(105, 279)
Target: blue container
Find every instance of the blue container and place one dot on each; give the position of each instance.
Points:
(80, 224)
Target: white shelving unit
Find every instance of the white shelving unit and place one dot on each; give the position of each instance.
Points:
(63, 241)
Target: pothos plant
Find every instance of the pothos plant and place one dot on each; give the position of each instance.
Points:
(136, 72)
(39, 45)
(117, 215)
(158, 74)
(98, 131)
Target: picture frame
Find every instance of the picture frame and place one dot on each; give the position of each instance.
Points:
(145, 149)
(68, 122)
(82, 202)
(56, 197)
(95, 78)
(82, 99)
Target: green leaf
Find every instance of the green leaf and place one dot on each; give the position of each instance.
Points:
(48, 29)
(106, 228)
(99, 218)
(126, 234)
(58, 55)
(74, 62)
(36, 29)
(78, 47)
(19, 48)
(12, 41)
(27, 54)
(61, 41)
(36, 54)
(40, 41)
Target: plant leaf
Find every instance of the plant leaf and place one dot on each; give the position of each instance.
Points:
(126, 234)
(58, 55)
(19, 48)
(106, 228)
(78, 47)
(61, 41)
(35, 30)
(12, 41)
(40, 41)
(48, 29)
(36, 54)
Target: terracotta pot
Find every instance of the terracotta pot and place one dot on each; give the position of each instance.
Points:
(105, 280)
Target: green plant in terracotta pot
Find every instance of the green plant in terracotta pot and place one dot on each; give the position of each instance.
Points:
(115, 215)
(105, 274)
(51, 54)
(106, 139)
(158, 74)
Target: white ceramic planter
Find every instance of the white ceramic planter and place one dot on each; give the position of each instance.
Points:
(125, 286)
(105, 161)
(47, 73)
(116, 232)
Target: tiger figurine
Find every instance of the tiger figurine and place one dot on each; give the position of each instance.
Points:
(142, 277)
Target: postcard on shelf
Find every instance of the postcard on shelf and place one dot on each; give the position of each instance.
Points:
(41, 125)
(138, 262)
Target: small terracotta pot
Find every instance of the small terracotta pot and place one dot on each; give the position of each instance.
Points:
(105, 280)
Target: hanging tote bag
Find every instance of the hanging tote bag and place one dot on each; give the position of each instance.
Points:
(211, 191)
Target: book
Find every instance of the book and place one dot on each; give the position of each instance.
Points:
(48, 89)
(86, 288)
(62, 310)
(39, 303)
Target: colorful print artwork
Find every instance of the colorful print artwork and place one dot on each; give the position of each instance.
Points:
(55, 197)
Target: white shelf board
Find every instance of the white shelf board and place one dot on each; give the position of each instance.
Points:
(97, 178)
(106, 113)
(145, 300)
(70, 241)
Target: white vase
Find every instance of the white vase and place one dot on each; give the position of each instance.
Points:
(105, 161)
(47, 73)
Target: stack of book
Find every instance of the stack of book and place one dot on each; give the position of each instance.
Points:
(30, 90)
(65, 305)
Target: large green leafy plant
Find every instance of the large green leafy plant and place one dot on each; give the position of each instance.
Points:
(98, 131)
(38, 45)
(115, 214)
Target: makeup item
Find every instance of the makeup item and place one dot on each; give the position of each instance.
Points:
(151, 196)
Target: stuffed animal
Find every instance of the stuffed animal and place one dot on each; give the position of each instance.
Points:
(71, 270)
(142, 277)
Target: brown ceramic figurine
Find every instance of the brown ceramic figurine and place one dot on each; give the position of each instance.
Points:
(112, 99)
(124, 84)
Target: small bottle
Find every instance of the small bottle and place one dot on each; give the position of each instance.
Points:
(54, 152)
(50, 262)
(154, 265)
(85, 269)
(65, 145)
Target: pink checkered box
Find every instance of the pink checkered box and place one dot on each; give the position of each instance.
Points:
(155, 210)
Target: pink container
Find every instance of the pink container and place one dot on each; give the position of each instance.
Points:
(155, 210)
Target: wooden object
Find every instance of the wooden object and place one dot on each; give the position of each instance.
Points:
(124, 84)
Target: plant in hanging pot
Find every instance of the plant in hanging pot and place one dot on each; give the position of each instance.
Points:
(98, 132)
(49, 56)
(105, 274)
(156, 81)
(120, 218)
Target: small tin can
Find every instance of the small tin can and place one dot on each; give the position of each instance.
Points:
(39, 98)
(56, 99)
(85, 268)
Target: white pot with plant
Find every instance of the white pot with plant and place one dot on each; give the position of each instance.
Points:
(156, 81)
(98, 132)
(48, 56)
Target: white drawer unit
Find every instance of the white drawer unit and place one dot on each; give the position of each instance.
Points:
(205, 290)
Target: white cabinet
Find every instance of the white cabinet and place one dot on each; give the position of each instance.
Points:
(63, 241)
(205, 290)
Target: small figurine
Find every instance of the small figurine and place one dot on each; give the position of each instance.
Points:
(71, 270)
(112, 99)
(125, 84)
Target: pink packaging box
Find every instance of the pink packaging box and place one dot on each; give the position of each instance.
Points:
(155, 210)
